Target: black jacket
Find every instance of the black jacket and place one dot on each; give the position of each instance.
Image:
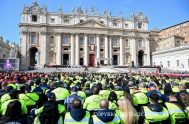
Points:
(152, 107)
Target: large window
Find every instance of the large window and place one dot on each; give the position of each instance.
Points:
(81, 20)
(140, 43)
(65, 40)
(101, 22)
(168, 63)
(66, 21)
(126, 25)
(114, 24)
(161, 63)
(126, 43)
(52, 20)
(91, 40)
(101, 41)
(33, 39)
(34, 18)
(178, 43)
(139, 25)
(115, 42)
(81, 40)
(178, 63)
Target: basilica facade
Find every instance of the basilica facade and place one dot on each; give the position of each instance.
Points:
(82, 37)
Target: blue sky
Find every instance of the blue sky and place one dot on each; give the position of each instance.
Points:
(160, 13)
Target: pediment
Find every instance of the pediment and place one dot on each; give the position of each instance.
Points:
(91, 23)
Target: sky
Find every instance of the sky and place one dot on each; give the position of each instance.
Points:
(160, 13)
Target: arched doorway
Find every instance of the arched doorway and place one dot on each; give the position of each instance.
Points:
(141, 58)
(91, 59)
(115, 60)
(65, 59)
(81, 61)
(34, 56)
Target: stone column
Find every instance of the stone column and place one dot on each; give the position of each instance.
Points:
(77, 50)
(97, 48)
(24, 50)
(106, 49)
(72, 49)
(86, 51)
(133, 50)
(43, 48)
(121, 51)
(58, 49)
(147, 47)
(110, 50)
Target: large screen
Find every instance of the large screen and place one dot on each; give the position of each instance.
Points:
(9, 64)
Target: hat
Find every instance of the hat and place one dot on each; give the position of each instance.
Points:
(13, 93)
(28, 87)
(9, 88)
(154, 96)
(74, 89)
(37, 80)
(51, 96)
(126, 89)
(152, 85)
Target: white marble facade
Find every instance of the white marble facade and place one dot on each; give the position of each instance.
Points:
(175, 58)
(82, 38)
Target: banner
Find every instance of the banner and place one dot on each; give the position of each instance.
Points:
(9, 64)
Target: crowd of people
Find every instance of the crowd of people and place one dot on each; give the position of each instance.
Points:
(93, 98)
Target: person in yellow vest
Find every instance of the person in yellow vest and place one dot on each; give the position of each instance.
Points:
(92, 102)
(30, 98)
(6, 96)
(13, 96)
(176, 110)
(112, 100)
(119, 92)
(139, 99)
(105, 115)
(61, 94)
(153, 112)
(13, 85)
(105, 93)
(77, 115)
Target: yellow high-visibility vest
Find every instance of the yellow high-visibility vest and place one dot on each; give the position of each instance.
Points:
(69, 120)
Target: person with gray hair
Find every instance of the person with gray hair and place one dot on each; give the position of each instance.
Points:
(104, 104)
(105, 115)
